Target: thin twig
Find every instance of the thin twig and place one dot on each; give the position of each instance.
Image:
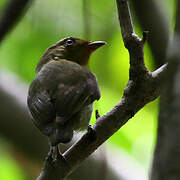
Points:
(86, 19)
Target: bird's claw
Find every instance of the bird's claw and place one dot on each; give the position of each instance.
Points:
(58, 153)
(54, 153)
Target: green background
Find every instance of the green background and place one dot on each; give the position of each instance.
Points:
(48, 21)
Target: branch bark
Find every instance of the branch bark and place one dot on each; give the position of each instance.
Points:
(143, 87)
(157, 25)
(167, 153)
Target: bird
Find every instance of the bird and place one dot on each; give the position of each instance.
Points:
(61, 96)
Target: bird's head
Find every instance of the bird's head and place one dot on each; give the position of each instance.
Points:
(72, 49)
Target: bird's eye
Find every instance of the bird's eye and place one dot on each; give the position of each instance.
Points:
(69, 42)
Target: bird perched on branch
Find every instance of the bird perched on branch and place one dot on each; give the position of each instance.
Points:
(61, 96)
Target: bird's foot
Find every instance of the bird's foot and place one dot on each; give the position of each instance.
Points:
(91, 132)
(59, 155)
(55, 154)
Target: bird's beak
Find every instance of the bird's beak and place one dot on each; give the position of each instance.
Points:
(95, 45)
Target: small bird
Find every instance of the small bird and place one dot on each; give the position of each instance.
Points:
(60, 98)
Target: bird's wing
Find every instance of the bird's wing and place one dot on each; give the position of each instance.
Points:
(72, 98)
(40, 106)
(70, 87)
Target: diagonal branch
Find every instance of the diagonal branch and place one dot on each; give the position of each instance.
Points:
(11, 14)
(143, 87)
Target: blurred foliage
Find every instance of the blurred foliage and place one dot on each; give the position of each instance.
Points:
(48, 21)
(9, 168)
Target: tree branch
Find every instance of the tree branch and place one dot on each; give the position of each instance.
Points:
(167, 152)
(11, 14)
(125, 19)
(156, 24)
(142, 88)
(177, 26)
